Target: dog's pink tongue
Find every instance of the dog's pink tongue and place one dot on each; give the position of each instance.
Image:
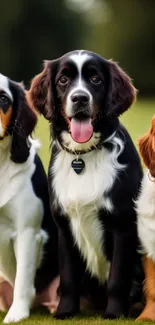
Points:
(81, 131)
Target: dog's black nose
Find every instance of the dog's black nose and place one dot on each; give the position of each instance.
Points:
(80, 97)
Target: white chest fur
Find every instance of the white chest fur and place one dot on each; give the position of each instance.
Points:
(81, 197)
(145, 207)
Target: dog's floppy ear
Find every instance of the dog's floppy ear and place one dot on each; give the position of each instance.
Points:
(39, 96)
(147, 148)
(24, 122)
(122, 92)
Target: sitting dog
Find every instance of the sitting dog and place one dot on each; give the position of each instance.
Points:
(146, 221)
(26, 226)
(94, 175)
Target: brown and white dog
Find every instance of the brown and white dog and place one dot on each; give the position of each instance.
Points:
(28, 235)
(146, 220)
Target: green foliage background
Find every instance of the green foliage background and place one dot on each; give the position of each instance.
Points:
(32, 31)
(126, 33)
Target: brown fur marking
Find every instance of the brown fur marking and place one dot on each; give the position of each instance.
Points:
(149, 290)
(5, 119)
(147, 148)
(123, 91)
(37, 95)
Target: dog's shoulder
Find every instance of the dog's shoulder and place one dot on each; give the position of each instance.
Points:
(14, 176)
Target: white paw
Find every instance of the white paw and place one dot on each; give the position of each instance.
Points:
(15, 314)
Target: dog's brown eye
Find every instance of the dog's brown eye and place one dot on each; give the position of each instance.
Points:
(3, 99)
(63, 80)
(95, 79)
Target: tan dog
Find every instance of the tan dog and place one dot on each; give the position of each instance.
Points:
(146, 221)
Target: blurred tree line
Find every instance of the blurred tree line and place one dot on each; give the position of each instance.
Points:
(31, 31)
(125, 32)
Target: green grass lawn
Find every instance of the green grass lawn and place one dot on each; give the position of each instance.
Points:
(137, 121)
(46, 319)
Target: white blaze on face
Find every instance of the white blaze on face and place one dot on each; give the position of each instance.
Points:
(4, 86)
(5, 117)
(79, 59)
(81, 131)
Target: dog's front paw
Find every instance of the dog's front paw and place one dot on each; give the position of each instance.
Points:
(64, 315)
(66, 309)
(148, 313)
(115, 309)
(15, 314)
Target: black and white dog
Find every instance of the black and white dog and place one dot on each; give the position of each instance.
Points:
(25, 219)
(94, 175)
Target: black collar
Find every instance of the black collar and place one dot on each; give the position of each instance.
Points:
(81, 152)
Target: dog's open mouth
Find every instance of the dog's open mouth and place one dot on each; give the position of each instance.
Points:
(81, 128)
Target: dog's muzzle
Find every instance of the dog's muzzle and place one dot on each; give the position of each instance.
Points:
(81, 118)
(81, 103)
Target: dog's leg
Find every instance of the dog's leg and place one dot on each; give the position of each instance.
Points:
(28, 246)
(7, 256)
(70, 276)
(149, 289)
(120, 277)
